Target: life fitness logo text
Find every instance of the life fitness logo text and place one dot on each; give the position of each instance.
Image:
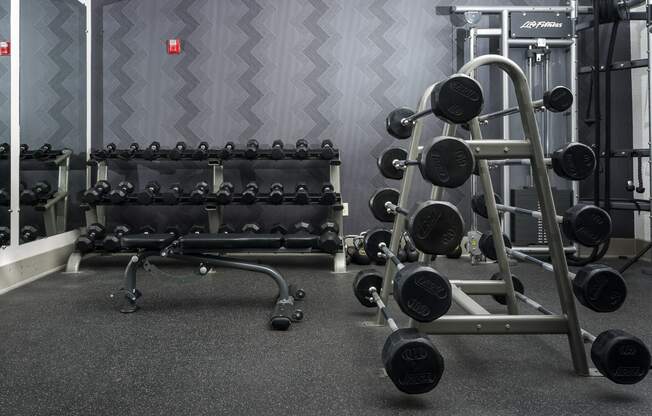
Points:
(535, 24)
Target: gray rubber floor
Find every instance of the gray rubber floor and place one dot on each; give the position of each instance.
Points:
(205, 348)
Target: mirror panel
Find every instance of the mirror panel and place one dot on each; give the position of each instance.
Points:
(52, 116)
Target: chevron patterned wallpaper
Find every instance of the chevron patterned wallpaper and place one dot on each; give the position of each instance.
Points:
(274, 69)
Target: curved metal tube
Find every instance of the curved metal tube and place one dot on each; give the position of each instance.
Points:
(283, 288)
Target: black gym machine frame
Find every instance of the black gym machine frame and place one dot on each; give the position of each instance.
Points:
(479, 320)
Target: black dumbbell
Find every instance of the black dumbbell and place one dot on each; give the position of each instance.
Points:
(40, 191)
(410, 359)
(111, 242)
(94, 233)
(5, 197)
(301, 194)
(277, 150)
(252, 228)
(435, 227)
(200, 193)
(302, 150)
(43, 152)
(29, 233)
(327, 150)
(329, 238)
(224, 194)
(410, 281)
(278, 229)
(629, 185)
(103, 154)
(121, 193)
(153, 151)
(598, 287)
(130, 153)
(197, 229)
(23, 150)
(226, 229)
(5, 148)
(328, 196)
(97, 192)
(177, 152)
(303, 227)
(172, 196)
(227, 151)
(5, 236)
(250, 193)
(201, 152)
(251, 150)
(276, 195)
(456, 100)
(146, 197)
(147, 229)
(585, 224)
(173, 230)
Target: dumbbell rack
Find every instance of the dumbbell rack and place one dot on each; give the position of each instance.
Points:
(479, 321)
(215, 160)
(55, 209)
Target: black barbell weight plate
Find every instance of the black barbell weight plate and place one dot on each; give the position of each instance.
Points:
(422, 293)
(386, 159)
(373, 239)
(377, 204)
(448, 162)
(436, 227)
(458, 99)
(365, 280)
(394, 126)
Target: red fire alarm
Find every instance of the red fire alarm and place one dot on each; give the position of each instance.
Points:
(174, 46)
(5, 48)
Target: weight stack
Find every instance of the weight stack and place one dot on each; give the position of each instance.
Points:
(527, 231)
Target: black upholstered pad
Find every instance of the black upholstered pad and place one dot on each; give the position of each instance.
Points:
(230, 241)
(147, 241)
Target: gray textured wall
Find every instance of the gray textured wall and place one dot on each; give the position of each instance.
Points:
(272, 70)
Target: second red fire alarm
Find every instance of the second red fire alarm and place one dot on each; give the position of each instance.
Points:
(5, 48)
(174, 46)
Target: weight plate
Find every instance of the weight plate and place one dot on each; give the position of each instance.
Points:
(587, 224)
(600, 288)
(373, 239)
(457, 100)
(386, 159)
(621, 357)
(422, 293)
(574, 161)
(479, 206)
(436, 227)
(412, 362)
(558, 99)
(448, 162)
(518, 287)
(377, 204)
(488, 248)
(394, 126)
(365, 280)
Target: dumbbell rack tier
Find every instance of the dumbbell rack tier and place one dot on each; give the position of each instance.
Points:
(479, 320)
(55, 208)
(215, 160)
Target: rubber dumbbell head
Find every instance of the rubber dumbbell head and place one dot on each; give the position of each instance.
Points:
(301, 195)
(251, 151)
(277, 152)
(302, 150)
(487, 247)
(328, 196)
(587, 224)
(516, 282)
(200, 193)
(173, 194)
(250, 194)
(252, 228)
(201, 152)
(303, 227)
(5, 236)
(329, 239)
(278, 229)
(146, 197)
(276, 195)
(386, 162)
(447, 162)
(227, 151)
(226, 229)
(327, 150)
(152, 151)
(29, 233)
(122, 191)
(224, 194)
(558, 99)
(395, 126)
(600, 288)
(458, 99)
(176, 153)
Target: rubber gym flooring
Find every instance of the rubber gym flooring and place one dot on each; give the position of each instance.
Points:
(205, 348)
